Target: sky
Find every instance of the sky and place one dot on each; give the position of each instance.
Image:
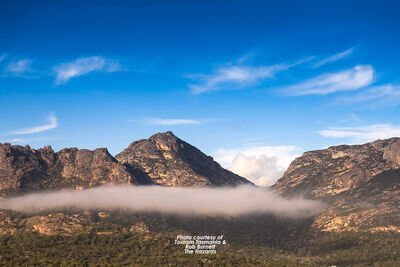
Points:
(252, 83)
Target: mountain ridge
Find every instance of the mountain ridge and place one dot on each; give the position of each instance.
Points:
(173, 163)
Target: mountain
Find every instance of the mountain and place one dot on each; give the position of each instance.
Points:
(23, 169)
(361, 183)
(326, 173)
(166, 160)
(162, 159)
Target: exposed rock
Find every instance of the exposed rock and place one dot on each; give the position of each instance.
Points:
(139, 227)
(328, 172)
(166, 160)
(23, 169)
(20, 167)
(92, 168)
(103, 214)
(372, 206)
(55, 224)
(361, 183)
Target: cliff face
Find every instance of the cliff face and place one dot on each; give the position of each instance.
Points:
(326, 173)
(23, 169)
(166, 160)
(373, 206)
(360, 182)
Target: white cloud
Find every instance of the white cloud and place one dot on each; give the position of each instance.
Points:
(160, 121)
(81, 66)
(262, 170)
(262, 165)
(334, 57)
(236, 77)
(19, 140)
(363, 133)
(378, 95)
(20, 67)
(228, 201)
(348, 80)
(37, 129)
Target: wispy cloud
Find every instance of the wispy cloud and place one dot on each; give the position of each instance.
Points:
(19, 140)
(81, 66)
(263, 165)
(161, 121)
(237, 76)
(52, 123)
(19, 68)
(2, 57)
(348, 80)
(363, 133)
(388, 94)
(334, 57)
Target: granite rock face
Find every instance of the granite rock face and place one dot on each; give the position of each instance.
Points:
(23, 169)
(166, 160)
(373, 206)
(329, 172)
(361, 184)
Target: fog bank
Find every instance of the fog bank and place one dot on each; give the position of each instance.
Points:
(232, 201)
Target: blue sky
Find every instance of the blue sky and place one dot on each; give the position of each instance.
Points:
(254, 83)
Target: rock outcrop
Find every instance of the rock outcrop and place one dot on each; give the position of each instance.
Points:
(361, 183)
(373, 206)
(329, 172)
(164, 159)
(23, 169)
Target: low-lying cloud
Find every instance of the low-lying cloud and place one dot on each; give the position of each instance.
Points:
(232, 201)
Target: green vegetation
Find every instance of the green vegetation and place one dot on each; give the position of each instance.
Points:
(92, 248)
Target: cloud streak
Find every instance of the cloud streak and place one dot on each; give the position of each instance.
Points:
(19, 140)
(348, 80)
(377, 95)
(170, 200)
(81, 66)
(37, 129)
(20, 67)
(334, 57)
(161, 121)
(237, 76)
(364, 133)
